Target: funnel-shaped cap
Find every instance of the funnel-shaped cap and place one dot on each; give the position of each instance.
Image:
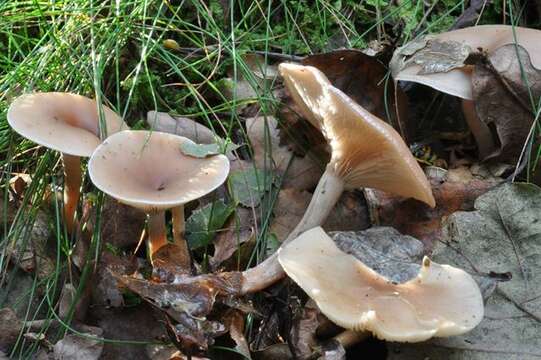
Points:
(366, 151)
(65, 122)
(147, 170)
(440, 301)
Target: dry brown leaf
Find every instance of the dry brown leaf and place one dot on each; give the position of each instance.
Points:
(160, 121)
(234, 322)
(453, 190)
(238, 230)
(76, 347)
(10, 327)
(501, 92)
(303, 173)
(350, 213)
(362, 78)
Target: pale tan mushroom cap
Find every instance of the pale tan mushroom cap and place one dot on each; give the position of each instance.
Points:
(147, 170)
(65, 122)
(457, 82)
(366, 151)
(441, 301)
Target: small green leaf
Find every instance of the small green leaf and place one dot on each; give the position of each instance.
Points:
(199, 150)
(249, 185)
(202, 225)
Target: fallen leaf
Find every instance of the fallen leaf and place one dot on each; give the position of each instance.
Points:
(133, 323)
(431, 55)
(455, 189)
(159, 121)
(502, 235)
(362, 78)
(67, 298)
(121, 225)
(202, 225)
(303, 339)
(505, 93)
(238, 230)
(303, 173)
(10, 327)
(234, 322)
(350, 213)
(78, 347)
(168, 352)
(105, 291)
(194, 296)
(248, 186)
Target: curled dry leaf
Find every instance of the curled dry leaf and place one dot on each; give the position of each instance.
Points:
(77, 347)
(234, 322)
(238, 230)
(505, 92)
(453, 190)
(194, 296)
(302, 172)
(502, 235)
(194, 335)
(303, 340)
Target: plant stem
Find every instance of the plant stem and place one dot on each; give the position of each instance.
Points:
(326, 195)
(72, 188)
(156, 232)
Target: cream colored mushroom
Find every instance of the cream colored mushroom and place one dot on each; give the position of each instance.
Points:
(441, 301)
(458, 81)
(68, 123)
(148, 171)
(366, 152)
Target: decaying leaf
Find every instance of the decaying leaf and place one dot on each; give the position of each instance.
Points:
(234, 322)
(105, 291)
(121, 225)
(30, 251)
(303, 332)
(302, 172)
(350, 213)
(66, 303)
(362, 78)
(249, 185)
(168, 352)
(502, 235)
(182, 126)
(455, 189)
(194, 335)
(238, 230)
(505, 93)
(194, 296)
(10, 327)
(202, 225)
(431, 54)
(80, 347)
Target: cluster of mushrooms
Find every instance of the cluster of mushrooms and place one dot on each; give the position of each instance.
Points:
(147, 170)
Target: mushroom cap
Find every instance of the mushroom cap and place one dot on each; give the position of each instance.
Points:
(147, 170)
(441, 301)
(65, 122)
(457, 82)
(366, 151)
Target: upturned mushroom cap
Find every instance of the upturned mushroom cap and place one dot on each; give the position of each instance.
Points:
(441, 301)
(457, 82)
(366, 151)
(147, 170)
(65, 122)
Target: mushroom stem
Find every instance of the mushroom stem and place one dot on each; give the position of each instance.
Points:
(72, 188)
(178, 236)
(156, 232)
(349, 338)
(326, 195)
(481, 132)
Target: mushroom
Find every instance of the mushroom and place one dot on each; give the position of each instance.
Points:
(458, 81)
(366, 152)
(440, 301)
(148, 171)
(68, 123)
